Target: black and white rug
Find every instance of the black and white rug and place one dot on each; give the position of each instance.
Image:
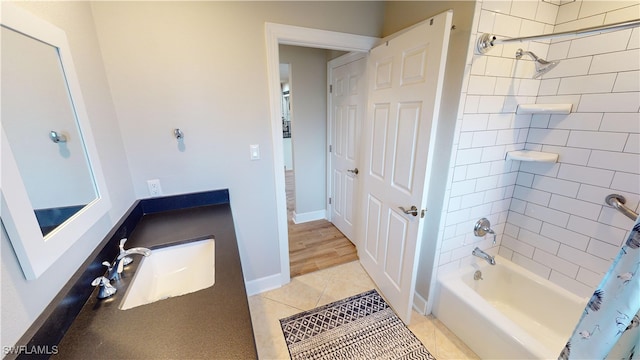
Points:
(359, 327)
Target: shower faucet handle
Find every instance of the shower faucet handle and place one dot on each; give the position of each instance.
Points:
(482, 227)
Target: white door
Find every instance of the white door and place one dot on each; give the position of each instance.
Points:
(348, 107)
(405, 82)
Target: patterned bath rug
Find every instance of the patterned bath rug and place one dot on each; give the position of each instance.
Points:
(359, 327)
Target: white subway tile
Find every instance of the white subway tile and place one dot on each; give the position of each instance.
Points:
(484, 138)
(507, 179)
(538, 241)
(584, 259)
(568, 12)
(499, 66)
(529, 87)
(626, 162)
(615, 62)
(459, 188)
(556, 263)
(564, 236)
(524, 9)
(624, 13)
(570, 284)
(580, 23)
(633, 144)
(615, 218)
(558, 50)
(569, 155)
(479, 211)
(602, 249)
(549, 87)
(485, 24)
(570, 67)
(492, 195)
(546, 214)
(468, 156)
(540, 168)
(465, 139)
(599, 44)
(528, 27)
(490, 104)
(531, 265)
(478, 170)
(594, 229)
(454, 203)
(575, 207)
(593, 194)
(506, 86)
(524, 179)
(454, 217)
(500, 121)
(634, 42)
(627, 81)
(540, 121)
(524, 68)
(474, 122)
(486, 183)
(626, 182)
(479, 65)
(546, 13)
(524, 222)
(523, 135)
(506, 25)
(499, 6)
(586, 175)
(548, 136)
(564, 99)
(507, 137)
(589, 277)
(576, 121)
(479, 85)
(493, 153)
(587, 84)
(597, 140)
(532, 195)
(522, 121)
(629, 122)
(590, 8)
(556, 186)
(614, 102)
(471, 104)
(517, 246)
(471, 200)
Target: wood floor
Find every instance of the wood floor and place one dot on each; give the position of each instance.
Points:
(314, 245)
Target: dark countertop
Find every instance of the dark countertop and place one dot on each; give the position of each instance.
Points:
(212, 323)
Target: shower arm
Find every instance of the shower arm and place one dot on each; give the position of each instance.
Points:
(617, 202)
(487, 41)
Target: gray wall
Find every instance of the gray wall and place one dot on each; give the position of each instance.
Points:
(22, 300)
(200, 66)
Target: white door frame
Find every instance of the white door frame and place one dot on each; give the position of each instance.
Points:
(276, 34)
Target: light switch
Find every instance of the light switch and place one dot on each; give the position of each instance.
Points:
(254, 150)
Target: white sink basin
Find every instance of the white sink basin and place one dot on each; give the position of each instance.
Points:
(172, 271)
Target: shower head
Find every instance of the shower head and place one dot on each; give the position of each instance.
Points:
(542, 66)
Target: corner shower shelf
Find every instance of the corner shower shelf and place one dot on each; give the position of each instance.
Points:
(544, 109)
(530, 155)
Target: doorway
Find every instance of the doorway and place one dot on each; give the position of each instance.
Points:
(314, 242)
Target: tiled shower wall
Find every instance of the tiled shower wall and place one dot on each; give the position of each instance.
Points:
(550, 218)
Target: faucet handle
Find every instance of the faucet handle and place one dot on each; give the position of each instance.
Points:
(106, 289)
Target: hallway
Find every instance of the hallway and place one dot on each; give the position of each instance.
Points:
(314, 245)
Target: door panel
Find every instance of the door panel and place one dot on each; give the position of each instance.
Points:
(348, 102)
(406, 75)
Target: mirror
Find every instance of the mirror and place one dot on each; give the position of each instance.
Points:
(54, 169)
(52, 185)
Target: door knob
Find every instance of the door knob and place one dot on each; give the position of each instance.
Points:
(413, 211)
(355, 171)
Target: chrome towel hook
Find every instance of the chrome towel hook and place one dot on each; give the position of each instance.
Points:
(178, 134)
(57, 138)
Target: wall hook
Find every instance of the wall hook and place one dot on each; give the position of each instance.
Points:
(178, 134)
(57, 138)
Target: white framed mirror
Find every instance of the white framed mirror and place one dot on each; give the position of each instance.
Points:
(53, 188)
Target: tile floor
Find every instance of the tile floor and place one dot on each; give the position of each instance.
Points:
(311, 290)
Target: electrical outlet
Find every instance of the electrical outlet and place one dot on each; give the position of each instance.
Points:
(154, 187)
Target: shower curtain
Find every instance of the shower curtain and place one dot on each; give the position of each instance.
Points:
(610, 325)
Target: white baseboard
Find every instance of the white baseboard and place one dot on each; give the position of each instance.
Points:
(263, 284)
(419, 303)
(299, 218)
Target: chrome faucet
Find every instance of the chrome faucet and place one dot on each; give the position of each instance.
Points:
(116, 269)
(483, 255)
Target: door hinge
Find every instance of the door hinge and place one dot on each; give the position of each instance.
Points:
(330, 148)
(330, 89)
(329, 201)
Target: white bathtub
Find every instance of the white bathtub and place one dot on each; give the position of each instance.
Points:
(511, 314)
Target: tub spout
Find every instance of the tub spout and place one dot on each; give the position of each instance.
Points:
(483, 255)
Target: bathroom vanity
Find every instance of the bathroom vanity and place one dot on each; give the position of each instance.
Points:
(213, 323)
